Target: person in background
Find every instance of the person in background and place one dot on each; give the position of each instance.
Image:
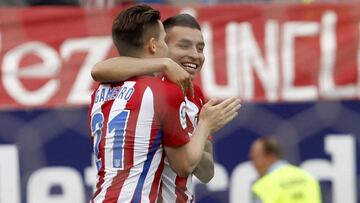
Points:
(279, 181)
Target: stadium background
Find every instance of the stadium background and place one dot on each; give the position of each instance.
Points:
(295, 66)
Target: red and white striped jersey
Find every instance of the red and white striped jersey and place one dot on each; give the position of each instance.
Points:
(176, 189)
(130, 122)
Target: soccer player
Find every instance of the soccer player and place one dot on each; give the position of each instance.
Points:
(186, 44)
(132, 120)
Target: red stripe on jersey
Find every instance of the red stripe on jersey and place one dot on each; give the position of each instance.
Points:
(155, 186)
(130, 129)
(118, 182)
(155, 127)
(160, 199)
(105, 109)
(112, 193)
(154, 132)
(180, 182)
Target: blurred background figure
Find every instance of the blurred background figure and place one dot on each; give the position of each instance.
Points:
(279, 181)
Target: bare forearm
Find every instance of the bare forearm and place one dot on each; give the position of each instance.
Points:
(204, 171)
(122, 68)
(184, 159)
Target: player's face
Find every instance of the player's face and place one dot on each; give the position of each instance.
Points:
(186, 46)
(161, 46)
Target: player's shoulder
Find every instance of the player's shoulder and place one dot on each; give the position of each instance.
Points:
(170, 85)
(146, 79)
(160, 86)
(171, 89)
(142, 82)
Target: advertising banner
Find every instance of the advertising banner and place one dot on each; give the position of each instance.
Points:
(269, 53)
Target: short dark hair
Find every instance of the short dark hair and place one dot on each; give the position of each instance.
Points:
(183, 20)
(271, 147)
(133, 27)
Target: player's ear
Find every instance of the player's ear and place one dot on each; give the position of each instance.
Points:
(152, 45)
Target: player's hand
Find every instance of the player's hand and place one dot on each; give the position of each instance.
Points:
(176, 74)
(215, 115)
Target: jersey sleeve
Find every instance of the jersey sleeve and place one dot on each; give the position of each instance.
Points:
(173, 116)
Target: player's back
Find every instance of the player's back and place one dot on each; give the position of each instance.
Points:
(127, 140)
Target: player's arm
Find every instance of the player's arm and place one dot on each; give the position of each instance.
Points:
(184, 159)
(122, 68)
(204, 171)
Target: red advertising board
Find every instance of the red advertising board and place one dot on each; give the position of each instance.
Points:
(267, 53)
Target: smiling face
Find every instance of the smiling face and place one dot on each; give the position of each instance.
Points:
(186, 46)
